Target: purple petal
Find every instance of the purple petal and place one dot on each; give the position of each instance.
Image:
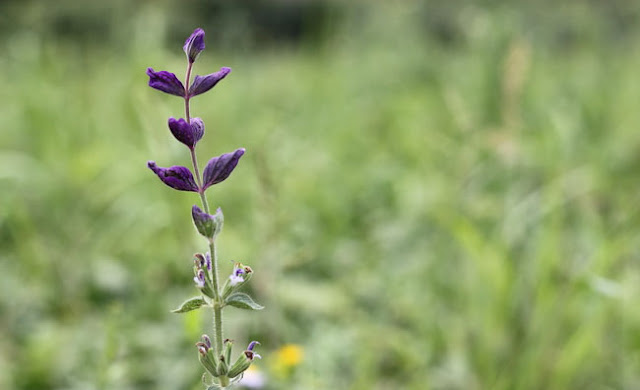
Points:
(194, 44)
(185, 133)
(207, 340)
(219, 168)
(198, 260)
(252, 345)
(200, 279)
(208, 261)
(177, 177)
(165, 82)
(202, 84)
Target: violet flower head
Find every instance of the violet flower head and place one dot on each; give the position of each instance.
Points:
(219, 168)
(194, 45)
(166, 82)
(188, 134)
(202, 84)
(176, 177)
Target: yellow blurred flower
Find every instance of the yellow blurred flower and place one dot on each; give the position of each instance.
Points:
(289, 355)
(285, 359)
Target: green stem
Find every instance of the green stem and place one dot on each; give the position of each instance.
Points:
(196, 171)
(217, 305)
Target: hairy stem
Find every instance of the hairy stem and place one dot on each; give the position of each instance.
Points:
(217, 306)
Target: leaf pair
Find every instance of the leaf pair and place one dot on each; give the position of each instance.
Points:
(238, 299)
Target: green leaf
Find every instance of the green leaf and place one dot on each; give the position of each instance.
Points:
(190, 304)
(242, 301)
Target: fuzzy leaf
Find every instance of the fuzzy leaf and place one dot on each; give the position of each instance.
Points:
(242, 301)
(190, 304)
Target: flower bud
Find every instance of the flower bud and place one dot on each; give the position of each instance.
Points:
(244, 361)
(208, 225)
(206, 340)
(228, 346)
(194, 45)
(199, 260)
(205, 355)
(223, 366)
(187, 133)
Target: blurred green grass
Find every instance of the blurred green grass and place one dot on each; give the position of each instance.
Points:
(451, 207)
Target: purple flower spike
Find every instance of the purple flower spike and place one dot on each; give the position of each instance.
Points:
(219, 168)
(194, 44)
(176, 177)
(202, 84)
(188, 134)
(166, 82)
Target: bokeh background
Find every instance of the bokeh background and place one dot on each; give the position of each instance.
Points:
(435, 195)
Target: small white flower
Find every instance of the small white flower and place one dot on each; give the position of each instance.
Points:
(199, 279)
(235, 279)
(236, 275)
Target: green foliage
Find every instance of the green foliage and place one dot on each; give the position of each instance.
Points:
(190, 304)
(432, 198)
(242, 301)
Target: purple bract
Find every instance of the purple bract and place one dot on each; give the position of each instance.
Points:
(188, 134)
(177, 177)
(219, 168)
(166, 82)
(202, 84)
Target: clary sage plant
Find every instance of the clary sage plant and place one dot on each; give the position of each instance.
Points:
(215, 355)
